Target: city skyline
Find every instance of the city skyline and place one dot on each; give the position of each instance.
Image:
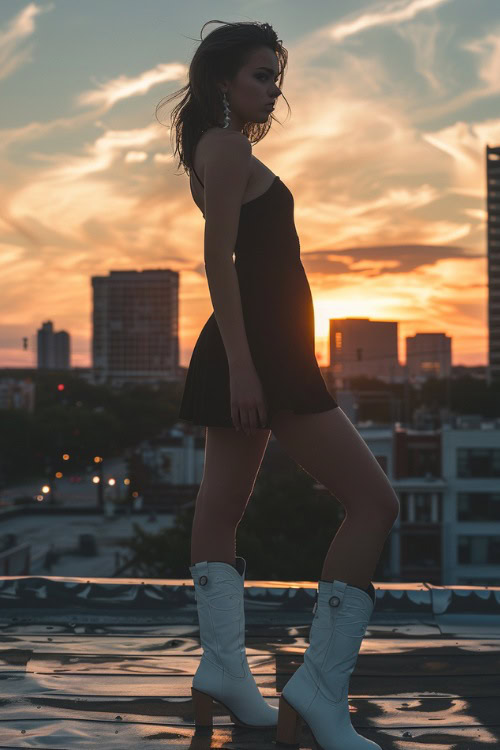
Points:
(392, 106)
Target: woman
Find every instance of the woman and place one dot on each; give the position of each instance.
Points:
(253, 370)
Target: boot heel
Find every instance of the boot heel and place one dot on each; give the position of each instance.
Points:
(203, 708)
(289, 723)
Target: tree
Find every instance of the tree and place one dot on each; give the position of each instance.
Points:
(284, 535)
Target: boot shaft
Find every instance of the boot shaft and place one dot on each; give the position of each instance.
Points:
(219, 593)
(341, 616)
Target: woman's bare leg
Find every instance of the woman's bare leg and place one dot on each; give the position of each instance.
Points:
(329, 448)
(232, 462)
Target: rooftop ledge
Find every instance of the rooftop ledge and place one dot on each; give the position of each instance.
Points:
(168, 598)
(109, 662)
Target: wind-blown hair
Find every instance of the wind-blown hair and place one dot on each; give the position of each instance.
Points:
(220, 55)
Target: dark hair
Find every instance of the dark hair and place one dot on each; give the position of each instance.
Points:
(221, 54)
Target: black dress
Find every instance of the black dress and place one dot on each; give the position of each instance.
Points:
(278, 315)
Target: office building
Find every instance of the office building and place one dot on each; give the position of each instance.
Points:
(493, 189)
(135, 335)
(428, 355)
(53, 348)
(360, 346)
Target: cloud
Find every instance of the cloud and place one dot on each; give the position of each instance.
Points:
(387, 13)
(12, 37)
(101, 101)
(380, 259)
(487, 51)
(427, 41)
(124, 87)
(382, 202)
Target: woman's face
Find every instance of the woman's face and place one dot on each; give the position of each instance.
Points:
(254, 89)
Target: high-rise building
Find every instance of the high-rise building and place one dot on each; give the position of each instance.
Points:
(135, 335)
(360, 346)
(493, 188)
(53, 350)
(428, 354)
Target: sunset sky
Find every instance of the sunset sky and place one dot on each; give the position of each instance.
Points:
(392, 106)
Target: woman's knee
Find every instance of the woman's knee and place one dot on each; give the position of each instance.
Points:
(222, 509)
(390, 510)
(329, 448)
(380, 509)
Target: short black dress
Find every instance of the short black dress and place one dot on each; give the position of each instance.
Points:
(278, 315)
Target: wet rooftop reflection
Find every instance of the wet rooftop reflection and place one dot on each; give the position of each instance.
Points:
(109, 662)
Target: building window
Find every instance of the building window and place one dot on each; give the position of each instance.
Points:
(423, 460)
(478, 506)
(420, 507)
(423, 507)
(478, 462)
(478, 549)
(420, 551)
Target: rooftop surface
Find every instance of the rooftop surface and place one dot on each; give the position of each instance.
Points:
(97, 662)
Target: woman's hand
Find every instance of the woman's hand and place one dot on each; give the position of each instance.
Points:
(248, 406)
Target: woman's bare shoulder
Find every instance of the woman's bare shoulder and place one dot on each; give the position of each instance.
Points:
(214, 139)
(216, 134)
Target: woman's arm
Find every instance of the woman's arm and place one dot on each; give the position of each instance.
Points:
(227, 169)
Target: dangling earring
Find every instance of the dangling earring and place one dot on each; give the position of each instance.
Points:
(227, 111)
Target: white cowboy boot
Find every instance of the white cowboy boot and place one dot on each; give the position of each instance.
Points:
(317, 691)
(223, 674)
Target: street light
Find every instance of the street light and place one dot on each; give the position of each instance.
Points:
(48, 489)
(100, 501)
